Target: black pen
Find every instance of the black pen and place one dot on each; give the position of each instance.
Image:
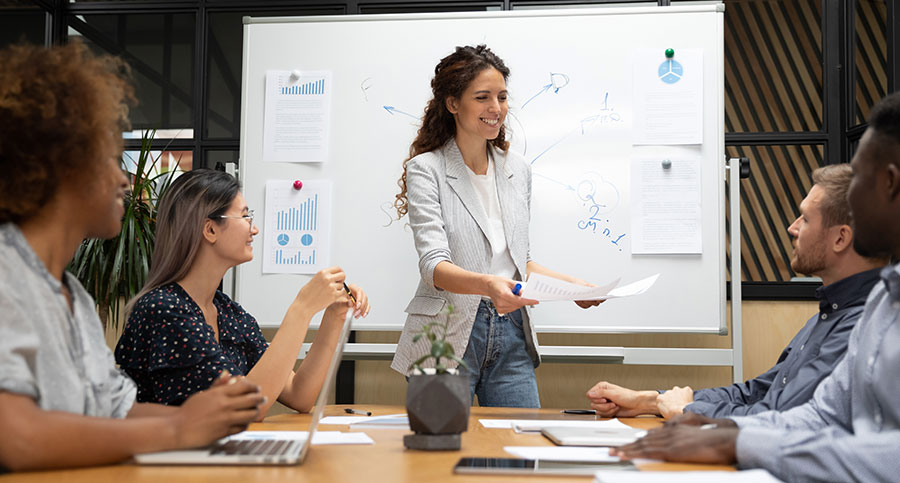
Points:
(578, 411)
(357, 411)
(350, 293)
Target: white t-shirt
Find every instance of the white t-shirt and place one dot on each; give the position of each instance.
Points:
(486, 189)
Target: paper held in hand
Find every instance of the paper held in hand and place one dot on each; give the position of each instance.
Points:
(543, 288)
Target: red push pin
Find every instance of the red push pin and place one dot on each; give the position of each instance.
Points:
(298, 184)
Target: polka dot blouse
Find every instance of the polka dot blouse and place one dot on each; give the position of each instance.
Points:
(171, 352)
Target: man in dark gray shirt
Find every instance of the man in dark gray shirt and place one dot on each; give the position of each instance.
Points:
(850, 429)
(822, 240)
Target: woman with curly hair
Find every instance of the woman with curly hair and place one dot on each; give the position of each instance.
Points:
(468, 199)
(62, 401)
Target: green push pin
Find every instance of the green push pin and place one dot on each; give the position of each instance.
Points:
(670, 53)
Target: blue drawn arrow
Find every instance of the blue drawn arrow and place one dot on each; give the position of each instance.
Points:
(392, 110)
(557, 82)
(581, 124)
(543, 90)
(568, 187)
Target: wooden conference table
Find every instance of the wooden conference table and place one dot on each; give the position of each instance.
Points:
(387, 460)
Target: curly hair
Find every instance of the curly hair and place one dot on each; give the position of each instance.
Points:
(452, 76)
(61, 108)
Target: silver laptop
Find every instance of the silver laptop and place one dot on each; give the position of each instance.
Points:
(574, 436)
(268, 449)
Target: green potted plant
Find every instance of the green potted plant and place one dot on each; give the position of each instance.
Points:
(115, 270)
(438, 398)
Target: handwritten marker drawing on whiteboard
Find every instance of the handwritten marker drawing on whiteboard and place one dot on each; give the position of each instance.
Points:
(297, 227)
(297, 116)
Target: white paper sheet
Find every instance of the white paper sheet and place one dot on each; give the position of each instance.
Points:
(749, 476)
(534, 425)
(297, 116)
(390, 421)
(666, 213)
(668, 97)
(562, 453)
(297, 227)
(320, 438)
(543, 288)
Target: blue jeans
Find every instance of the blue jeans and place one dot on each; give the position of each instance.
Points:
(501, 372)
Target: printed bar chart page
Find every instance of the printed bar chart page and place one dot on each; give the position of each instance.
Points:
(297, 116)
(297, 227)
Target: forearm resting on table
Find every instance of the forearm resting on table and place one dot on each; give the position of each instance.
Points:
(34, 438)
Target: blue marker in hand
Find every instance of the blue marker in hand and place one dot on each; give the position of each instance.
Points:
(517, 289)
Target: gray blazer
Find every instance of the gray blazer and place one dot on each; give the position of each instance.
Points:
(449, 224)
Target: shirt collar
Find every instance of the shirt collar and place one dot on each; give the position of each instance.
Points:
(849, 291)
(891, 276)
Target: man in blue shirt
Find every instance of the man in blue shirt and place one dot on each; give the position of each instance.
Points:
(850, 429)
(822, 240)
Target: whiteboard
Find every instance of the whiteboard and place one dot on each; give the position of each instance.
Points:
(577, 137)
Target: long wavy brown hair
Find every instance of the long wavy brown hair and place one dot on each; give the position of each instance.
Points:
(452, 76)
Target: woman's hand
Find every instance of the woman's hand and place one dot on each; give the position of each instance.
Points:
(324, 289)
(500, 290)
(360, 308)
(586, 304)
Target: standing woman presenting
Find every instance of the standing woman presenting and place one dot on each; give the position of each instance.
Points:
(468, 200)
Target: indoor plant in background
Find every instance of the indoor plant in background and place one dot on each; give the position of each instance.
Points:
(115, 270)
(438, 398)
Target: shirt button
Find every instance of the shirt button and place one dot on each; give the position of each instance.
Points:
(834, 306)
(802, 346)
(824, 316)
(784, 380)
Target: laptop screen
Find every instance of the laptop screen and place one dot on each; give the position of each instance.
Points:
(330, 377)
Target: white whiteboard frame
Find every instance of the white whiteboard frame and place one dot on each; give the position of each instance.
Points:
(662, 356)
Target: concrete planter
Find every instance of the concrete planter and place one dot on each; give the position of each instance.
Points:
(438, 409)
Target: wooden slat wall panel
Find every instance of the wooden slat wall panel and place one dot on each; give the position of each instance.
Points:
(773, 65)
(871, 55)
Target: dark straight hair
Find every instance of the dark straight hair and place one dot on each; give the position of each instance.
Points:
(191, 199)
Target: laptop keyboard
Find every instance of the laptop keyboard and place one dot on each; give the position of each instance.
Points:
(271, 447)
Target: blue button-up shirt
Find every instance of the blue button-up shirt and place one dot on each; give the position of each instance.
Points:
(850, 430)
(808, 359)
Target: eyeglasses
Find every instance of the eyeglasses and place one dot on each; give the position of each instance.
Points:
(248, 217)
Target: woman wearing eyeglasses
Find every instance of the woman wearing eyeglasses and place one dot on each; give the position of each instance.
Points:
(182, 332)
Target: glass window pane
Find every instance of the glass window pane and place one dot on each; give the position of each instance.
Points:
(773, 65)
(770, 199)
(223, 83)
(160, 50)
(870, 56)
(21, 21)
(215, 157)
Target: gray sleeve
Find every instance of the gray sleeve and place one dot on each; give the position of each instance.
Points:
(828, 455)
(829, 406)
(18, 349)
(122, 392)
(426, 219)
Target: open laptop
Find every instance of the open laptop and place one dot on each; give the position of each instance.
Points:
(268, 449)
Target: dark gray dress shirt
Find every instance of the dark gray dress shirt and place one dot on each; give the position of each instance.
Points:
(850, 429)
(808, 359)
